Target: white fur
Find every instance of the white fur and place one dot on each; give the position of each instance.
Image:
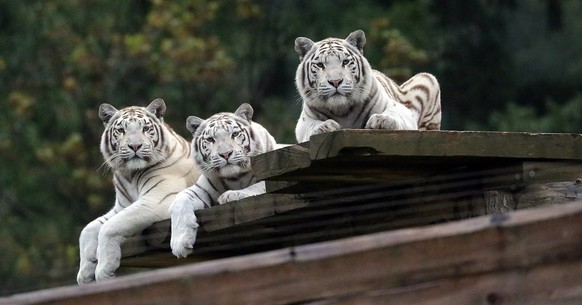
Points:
(334, 98)
(145, 202)
(216, 185)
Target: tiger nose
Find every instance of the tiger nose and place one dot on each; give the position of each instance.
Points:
(134, 147)
(335, 82)
(226, 155)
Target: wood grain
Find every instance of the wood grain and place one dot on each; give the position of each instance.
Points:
(532, 256)
(448, 143)
(281, 161)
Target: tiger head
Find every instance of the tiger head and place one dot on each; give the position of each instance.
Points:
(332, 72)
(222, 143)
(134, 136)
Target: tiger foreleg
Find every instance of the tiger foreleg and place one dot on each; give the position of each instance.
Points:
(115, 231)
(184, 224)
(88, 252)
(234, 195)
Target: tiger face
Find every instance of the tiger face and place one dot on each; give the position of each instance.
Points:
(222, 143)
(132, 139)
(331, 72)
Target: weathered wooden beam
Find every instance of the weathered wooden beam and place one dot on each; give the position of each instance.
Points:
(447, 144)
(540, 194)
(281, 161)
(556, 171)
(532, 256)
(247, 210)
(371, 156)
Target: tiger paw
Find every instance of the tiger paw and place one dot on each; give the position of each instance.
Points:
(86, 273)
(102, 273)
(327, 126)
(389, 122)
(232, 195)
(184, 230)
(184, 245)
(88, 262)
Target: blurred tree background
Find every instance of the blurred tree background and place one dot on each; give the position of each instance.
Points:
(510, 65)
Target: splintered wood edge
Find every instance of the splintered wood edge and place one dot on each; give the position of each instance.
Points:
(449, 143)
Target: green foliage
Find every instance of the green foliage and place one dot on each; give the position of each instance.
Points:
(555, 118)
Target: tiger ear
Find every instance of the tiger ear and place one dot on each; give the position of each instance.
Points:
(357, 39)
(106, 112)
(157, 107)
(192, 123)
(302, 46)
(245, 111)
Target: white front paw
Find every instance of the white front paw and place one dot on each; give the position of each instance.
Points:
(184, 230)
(327, 126)
(387, 121)
(88, 253)
(232, 195)
(183, 244)
(86, 272)
(101, 273)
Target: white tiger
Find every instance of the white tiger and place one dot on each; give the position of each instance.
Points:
(151, 164)
(340, 89)
(222, 145)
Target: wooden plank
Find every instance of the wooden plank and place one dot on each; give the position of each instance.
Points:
(247, 210)
(281, 161)
(557, 171)
(370, 156)
(339, 172)
(539, 194)
(277, 186)
(524, 257)
(230, 214)
(447, 144)
(158, 259)
(542, 285)
(548, 183)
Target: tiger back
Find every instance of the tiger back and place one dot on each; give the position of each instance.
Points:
(223, 146)
(150, 164)
(339, 89)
